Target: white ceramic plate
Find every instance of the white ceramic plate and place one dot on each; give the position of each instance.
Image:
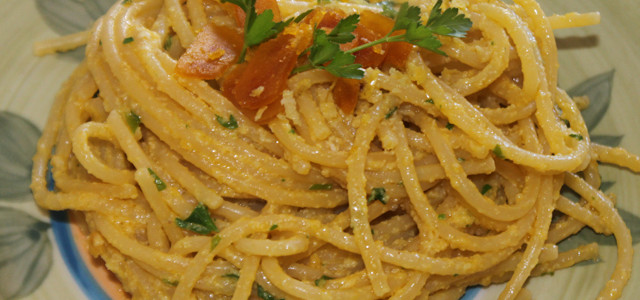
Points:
(39, 258)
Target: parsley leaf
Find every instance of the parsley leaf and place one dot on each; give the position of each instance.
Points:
(406, 16)
(263, 28)
(343, 32)
(199, 221)
(326, 47)
(343, 65)
(257, 27)
(322, 49)
(301, 16)
(449, 22)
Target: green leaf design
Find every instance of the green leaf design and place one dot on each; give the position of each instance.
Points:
(606, 185)
(607, 140)
(598, 89)
(69, 16)
(25, 253)
(18, 138)
(587, 235)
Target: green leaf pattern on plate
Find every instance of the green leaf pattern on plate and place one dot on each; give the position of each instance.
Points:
(25, 249)
(19, 138)
(71, 16)
(25, 253)
(598, 89)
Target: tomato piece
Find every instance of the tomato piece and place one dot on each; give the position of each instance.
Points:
(397, 55)
(377, 23)
(372, 56)
(228, 86)
(371, 27)
(331, 18)
(346, 93)
(213, 51)
(261, 81)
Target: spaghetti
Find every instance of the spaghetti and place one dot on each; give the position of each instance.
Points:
(444, 174)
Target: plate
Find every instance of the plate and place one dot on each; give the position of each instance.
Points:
(42, 256)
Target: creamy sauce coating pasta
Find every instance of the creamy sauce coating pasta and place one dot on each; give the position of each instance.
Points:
(445, 174)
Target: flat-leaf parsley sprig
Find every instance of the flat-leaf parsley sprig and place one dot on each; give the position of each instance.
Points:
(260, 27)
(326, 47)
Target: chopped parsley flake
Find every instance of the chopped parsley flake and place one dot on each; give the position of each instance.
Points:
(231, 275)
(380, 194)
(450, 126)
(264, 295)
(215, 241)
(273, 227)
(485, 189)
(127, 40)
(322, 280)
(390, 112)
(442, 216)
(133, 120)
(321, 187)
(498, 152)
(170, 282)
(167, 43)
(578, 137)
(160, 185)
(429, 101)
(231, 124)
